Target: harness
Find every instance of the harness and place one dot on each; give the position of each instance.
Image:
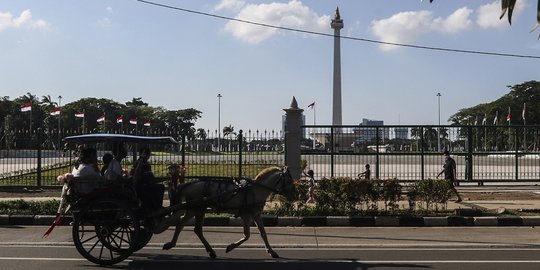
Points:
(218, 191)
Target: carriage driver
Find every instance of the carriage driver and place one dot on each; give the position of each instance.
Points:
(150, 192)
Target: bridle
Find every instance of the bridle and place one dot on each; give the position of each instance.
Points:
(284, 180)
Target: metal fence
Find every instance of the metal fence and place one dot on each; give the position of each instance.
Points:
(482, 153)
(37, 158)
(408, 153)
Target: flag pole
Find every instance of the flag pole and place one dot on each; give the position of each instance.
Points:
(524, 128)
(83, 116)
(59, 108)
(30, 118)
(485, 131)
(509, 119)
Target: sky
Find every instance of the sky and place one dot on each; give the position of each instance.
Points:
(121, 49)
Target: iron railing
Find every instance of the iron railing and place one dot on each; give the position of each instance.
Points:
(37, 158)
(482, 153)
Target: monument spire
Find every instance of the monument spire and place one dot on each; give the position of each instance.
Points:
(337, 25)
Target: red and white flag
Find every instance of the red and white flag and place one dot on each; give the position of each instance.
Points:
(55, 111)
(26, 107)
(101, 118)
(119, 119)
(508, 116)
(523, 113)
(312, 105)
(79, 115)
(133, 121)
(496, 119)
(147, 123)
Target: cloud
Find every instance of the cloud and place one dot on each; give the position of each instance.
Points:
(233, 5)
(407, 27)
(292, 14)
(488, 15)
(7, 20)
(104, 22)
(109, 9)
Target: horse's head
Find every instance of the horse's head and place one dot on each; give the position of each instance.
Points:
(286, 185)
(278, 181)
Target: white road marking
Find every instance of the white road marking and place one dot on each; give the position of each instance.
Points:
(289, 261)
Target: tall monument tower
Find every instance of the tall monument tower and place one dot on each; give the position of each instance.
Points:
(337, 25)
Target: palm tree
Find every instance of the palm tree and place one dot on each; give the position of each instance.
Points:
(30, 98)
(229, 131)
(48, 101)
(201, 135)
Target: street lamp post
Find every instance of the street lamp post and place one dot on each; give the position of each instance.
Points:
(219, 122)
(439, 127)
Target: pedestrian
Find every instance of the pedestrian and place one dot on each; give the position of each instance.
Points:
(449, 170)
(366, 174)
(311, 190)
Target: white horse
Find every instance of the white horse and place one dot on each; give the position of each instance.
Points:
(246, 201)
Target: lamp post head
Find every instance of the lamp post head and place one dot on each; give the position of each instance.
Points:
(439, 94)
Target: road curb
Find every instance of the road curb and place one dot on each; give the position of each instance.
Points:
(323, 221)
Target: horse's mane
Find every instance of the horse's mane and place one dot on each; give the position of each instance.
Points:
(265, 172)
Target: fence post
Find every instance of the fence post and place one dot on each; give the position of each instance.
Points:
(517, 152)
(293, 137)
(332, 151)
(240, 139)
(422, 153)
(183, 149)
(469, 157)
(377, 156)
(39, 143)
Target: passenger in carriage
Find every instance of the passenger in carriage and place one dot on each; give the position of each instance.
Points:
(150, 192)
(88, 163)
(114, 169)
(107, 158)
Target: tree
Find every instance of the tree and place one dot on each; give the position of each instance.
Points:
(228, 130)
(527, 92)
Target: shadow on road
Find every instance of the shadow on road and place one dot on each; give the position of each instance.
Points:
(152, 261)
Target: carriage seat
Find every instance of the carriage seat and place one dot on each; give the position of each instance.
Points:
(90, 186)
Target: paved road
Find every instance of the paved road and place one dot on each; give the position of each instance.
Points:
(300, 248)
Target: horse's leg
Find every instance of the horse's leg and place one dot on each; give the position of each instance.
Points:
(199, 221)
(179, 226)
(247, 223)
(260, 226)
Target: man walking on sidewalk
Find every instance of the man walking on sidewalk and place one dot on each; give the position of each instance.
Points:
(449, 170)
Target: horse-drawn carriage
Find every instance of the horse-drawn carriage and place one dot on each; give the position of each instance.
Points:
(109, 222)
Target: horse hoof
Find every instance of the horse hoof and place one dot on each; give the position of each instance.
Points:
(228, 249)
(273, 254)
(212, 254)
(168, 246)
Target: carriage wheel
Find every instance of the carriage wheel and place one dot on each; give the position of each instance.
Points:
(106, 232)
(145, 235)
